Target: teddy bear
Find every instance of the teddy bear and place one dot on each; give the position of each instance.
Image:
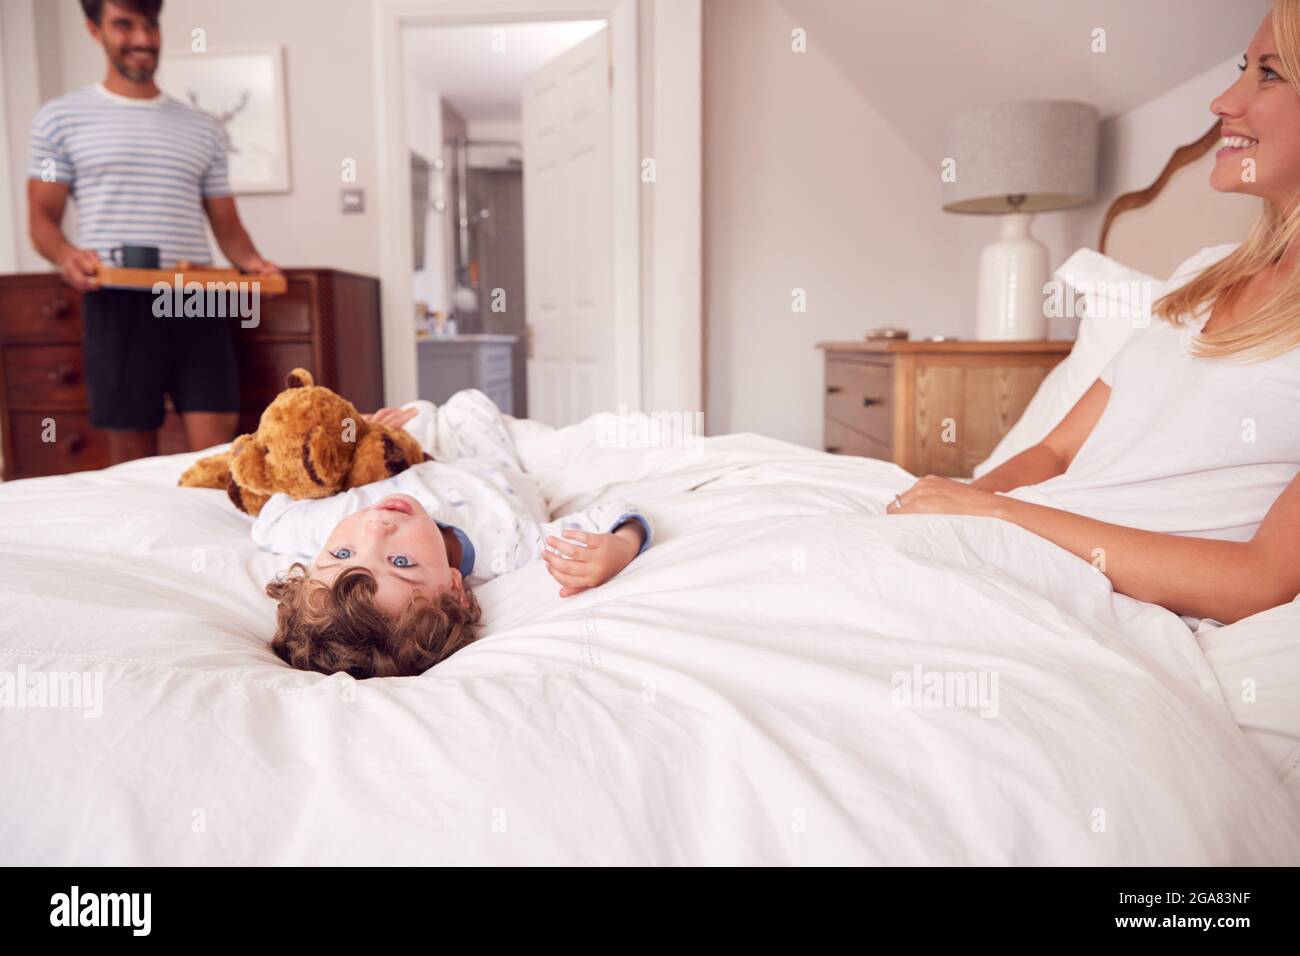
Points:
(310, 443)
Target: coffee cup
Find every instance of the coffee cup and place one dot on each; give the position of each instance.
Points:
(135, 257)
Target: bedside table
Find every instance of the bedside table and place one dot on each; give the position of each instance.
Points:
(935, 408)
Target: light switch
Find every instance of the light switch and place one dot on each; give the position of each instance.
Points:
(354, 200)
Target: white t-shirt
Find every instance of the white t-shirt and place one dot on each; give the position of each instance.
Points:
(482, 494)
(1185, 445)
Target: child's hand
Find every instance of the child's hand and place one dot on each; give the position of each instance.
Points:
(392, 417)
(589, 560)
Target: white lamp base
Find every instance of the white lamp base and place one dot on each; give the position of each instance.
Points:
(1013, 271)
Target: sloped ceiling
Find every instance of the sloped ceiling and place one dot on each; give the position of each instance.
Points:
(920, 62)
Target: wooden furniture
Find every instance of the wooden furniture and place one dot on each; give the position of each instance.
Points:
(931, 407)
(485, 362)
(326, 322)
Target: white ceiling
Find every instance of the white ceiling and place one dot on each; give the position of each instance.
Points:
(463, 66)
(921, 62)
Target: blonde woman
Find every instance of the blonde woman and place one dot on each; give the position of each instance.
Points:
(1178, 467)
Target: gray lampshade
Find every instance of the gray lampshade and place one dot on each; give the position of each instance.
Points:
(1044, 150)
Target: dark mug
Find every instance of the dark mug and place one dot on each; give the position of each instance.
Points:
(135, 257)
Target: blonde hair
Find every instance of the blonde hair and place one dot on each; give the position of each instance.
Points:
(1274, 327)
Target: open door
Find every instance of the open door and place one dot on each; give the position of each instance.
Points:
(568, 235)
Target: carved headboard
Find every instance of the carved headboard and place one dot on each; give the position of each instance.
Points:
(1156, 228)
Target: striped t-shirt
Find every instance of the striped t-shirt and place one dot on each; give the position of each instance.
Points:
(138, 169)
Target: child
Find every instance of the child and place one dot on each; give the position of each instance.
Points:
(388, 590)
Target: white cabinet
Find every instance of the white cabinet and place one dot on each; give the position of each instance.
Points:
(485, 362)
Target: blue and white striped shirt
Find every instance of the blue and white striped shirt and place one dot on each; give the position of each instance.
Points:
(138, 169)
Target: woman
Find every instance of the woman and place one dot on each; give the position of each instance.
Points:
(1176, 472)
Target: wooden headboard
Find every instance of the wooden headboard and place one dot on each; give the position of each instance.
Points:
(1156, 228)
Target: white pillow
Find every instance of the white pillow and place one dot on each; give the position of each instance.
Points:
(1257, 662)
(1115, 301)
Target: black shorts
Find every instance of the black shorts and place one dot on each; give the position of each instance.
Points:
(133, 357)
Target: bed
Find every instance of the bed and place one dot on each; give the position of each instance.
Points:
(789, 676)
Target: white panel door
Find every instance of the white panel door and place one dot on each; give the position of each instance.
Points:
(568, 234)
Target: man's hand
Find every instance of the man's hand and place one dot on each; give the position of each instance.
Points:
(589, 560)
(79, 267)
(392, 417)
(933, 495)
(256, 265)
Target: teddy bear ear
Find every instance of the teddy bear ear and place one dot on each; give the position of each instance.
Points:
(298, 378)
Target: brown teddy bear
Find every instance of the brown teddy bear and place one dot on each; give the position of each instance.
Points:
(310, 443)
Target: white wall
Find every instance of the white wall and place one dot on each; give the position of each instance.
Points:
(1136, 145)
(27, 78)
(329, 84)
(9, 232)
(504, 130)
(805, 186)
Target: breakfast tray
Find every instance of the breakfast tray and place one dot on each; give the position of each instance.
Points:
(118, 277)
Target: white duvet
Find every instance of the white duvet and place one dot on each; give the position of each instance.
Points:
(756, 688)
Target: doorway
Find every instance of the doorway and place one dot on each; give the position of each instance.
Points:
(498, 271)
(654, 315)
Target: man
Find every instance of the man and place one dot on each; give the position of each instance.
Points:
(144, 169)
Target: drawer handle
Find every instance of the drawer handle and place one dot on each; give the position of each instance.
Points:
(833, 449)
(833, 389)
(63, 374)
(56, 308)
(867, 401)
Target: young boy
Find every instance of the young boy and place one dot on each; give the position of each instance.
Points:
(388, 590)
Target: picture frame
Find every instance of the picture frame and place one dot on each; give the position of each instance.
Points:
(243, 89)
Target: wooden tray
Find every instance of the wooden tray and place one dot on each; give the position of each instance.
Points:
(117, 277)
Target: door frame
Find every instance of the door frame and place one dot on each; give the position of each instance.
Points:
(393, 186)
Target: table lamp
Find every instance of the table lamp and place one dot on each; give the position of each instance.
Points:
(1016, 160)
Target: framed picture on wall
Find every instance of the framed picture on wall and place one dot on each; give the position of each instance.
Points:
(243, 90)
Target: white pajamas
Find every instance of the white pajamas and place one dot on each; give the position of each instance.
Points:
(476, 487)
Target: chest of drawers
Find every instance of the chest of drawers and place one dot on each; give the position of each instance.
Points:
(327, 322)
(931, 407)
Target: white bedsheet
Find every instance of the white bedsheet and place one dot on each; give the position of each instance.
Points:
(732, 697)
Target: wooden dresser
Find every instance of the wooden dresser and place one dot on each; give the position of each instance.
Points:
(327, 322)
(935, 408)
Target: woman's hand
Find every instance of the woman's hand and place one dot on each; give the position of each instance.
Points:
(392, 417)
(933, 495)
(589, 560)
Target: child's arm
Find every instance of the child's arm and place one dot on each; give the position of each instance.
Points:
(587, 560)
(418, 417)
(586, 549)
(467, 425)
(392, 417)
